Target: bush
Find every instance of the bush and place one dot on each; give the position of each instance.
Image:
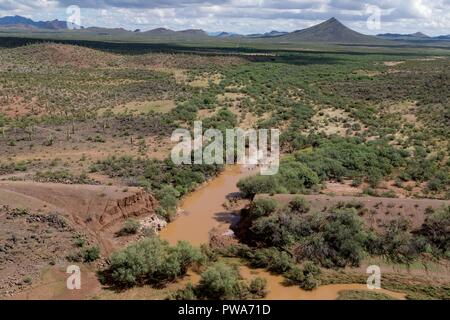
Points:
(435, 230)
(91, 254)
(307, 277)
(299, 205)
(219, 282)
(335, 239)
(130, 226)
(223, 282)
(258, 287)
(151, 261)
(270, 258)
(251, 186)
(398, 243)
(262, 208)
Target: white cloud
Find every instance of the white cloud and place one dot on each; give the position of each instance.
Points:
(245, 16)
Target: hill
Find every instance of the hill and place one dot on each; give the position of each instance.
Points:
(332, 31)
(398, 36)
(25, 23)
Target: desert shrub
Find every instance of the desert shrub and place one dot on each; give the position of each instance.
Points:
(296, 177)
(262, 207)
(219, 282)
(251, 186)
(223, 282)
(257, 288)
(334, 239)
(435, 230)
(299, 205)
(150, 261)
(306, 276)
(131, 226)
(91, 254)
(222, 120)
(337, 158)
(293, 177)
(398, 243)
(271, 259)
(186, 294)
(362, 295)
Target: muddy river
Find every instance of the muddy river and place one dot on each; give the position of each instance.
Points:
(203, 211)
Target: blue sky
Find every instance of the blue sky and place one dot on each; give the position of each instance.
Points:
(244, 16)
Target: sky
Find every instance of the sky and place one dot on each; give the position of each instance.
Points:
(243, 16)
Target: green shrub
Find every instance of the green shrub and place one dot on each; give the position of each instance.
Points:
(219, 282)
(131, 226)
(91, 254)
(251, 186)
(299, 205)
(262, 207)
(435, 230)
(257, 288)
(151, 260)
(223, 282)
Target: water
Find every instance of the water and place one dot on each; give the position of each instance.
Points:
(204, 211)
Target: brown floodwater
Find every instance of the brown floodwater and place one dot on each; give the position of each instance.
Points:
(203, 210)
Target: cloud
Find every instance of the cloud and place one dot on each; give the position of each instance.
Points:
(244, 16)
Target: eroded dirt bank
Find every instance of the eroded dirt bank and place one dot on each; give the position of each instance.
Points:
(42, 224)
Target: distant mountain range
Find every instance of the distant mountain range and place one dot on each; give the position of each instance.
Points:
(330, 31)
(398, 36)
(25, 23)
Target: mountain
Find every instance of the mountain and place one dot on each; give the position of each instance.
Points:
(193, 32)
(270, 34)
(274, 33)
(420, 35)
(331, 31)
(225, 35)
(447, 37)
(399, 36)
(159, 32)
(25, 23)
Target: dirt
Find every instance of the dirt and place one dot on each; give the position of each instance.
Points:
(393, 63)
(32, 242)
(95, 209)
(68, 55)
(29, 243)
(137, 107)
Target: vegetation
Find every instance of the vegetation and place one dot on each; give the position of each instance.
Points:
(284, 235)
(223, 282)
(166, 180)
(362, 295)
(150, 261)
(131, 226)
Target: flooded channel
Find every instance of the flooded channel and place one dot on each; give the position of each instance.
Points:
(203, 211)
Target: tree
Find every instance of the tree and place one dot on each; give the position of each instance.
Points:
(219, 282)
(436, 230)
(151, 260)
(252, 186)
